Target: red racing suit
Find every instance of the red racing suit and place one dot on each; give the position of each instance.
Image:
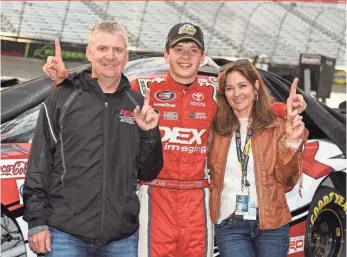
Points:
(174, 210)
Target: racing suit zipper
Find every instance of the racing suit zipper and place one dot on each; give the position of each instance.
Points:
(104, 168)
(182, 124)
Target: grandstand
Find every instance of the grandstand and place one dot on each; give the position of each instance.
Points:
(281, 30)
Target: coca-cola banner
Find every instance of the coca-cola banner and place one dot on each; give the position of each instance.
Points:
(13, 168)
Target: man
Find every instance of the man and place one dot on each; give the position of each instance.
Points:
(174, 215)
(89, 149)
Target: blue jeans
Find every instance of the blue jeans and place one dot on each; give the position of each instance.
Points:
(243, 238)
(66, 245)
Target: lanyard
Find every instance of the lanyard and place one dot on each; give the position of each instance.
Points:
(244, 156)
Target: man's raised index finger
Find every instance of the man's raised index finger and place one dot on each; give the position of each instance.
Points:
(147, 97)
(57, 48)
(294, 86)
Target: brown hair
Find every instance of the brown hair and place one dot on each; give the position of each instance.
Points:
(225, 120)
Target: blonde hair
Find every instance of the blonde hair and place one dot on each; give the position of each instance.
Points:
(110, 26)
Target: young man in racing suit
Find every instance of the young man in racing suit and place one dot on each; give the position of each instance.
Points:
(174, 210)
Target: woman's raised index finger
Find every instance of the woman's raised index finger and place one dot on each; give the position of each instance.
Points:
(294, 86)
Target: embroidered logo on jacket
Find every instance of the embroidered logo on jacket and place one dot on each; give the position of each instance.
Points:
(126, 116)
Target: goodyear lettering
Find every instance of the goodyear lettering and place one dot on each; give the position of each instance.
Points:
(164, 105)
(338, 199)
(341, 201)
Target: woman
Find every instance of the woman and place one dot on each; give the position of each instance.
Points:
(252, 155)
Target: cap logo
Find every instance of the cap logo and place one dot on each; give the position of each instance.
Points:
(187, 29)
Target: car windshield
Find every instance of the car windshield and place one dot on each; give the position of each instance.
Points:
(21, 128)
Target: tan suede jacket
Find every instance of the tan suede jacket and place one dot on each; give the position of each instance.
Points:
(275, 165)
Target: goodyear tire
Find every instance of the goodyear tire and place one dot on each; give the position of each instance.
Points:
(326, 224)
(12, 241)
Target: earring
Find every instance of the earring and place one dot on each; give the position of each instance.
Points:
(256, 96)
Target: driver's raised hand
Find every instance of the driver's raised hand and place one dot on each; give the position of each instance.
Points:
(54, 67)
(146, 118)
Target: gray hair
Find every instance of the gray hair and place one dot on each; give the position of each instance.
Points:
(110, 26)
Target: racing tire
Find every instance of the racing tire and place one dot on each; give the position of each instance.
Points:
(12, 241)
(326, 224)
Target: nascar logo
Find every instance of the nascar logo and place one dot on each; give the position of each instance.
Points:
(165, 95)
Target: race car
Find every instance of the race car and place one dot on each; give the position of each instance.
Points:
(317, 203)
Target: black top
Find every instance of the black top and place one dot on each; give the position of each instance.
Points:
(85, 161)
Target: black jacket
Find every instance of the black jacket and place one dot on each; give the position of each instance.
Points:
(85, 161)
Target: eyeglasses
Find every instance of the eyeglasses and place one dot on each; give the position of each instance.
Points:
(236, 63)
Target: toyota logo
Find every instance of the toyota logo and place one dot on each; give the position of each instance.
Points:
(198, 96)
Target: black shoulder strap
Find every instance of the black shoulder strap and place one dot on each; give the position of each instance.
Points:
(131, 98)
(67, 104)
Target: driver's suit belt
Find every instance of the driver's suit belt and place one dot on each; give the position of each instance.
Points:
(177, 184)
